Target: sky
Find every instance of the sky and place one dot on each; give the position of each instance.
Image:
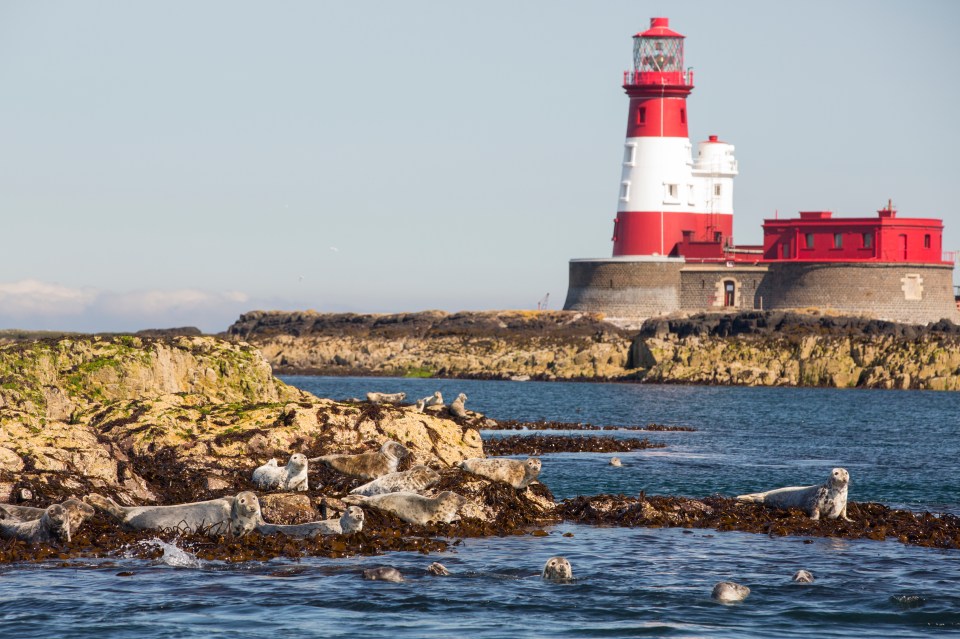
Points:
(178, 163)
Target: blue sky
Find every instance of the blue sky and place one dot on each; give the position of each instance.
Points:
(177, 163)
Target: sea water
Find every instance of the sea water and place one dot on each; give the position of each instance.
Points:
(901, 448)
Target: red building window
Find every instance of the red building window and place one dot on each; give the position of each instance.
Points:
(786, 251)
(926, 241)
(683, 116)
(641, 115)
(837, 240)
(867, 240)
(808, 240)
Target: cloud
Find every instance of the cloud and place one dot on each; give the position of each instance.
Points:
(33, 304)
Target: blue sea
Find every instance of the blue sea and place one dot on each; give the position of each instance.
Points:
(901, 448)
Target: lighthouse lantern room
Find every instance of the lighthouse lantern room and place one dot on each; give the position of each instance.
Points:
(667, 200)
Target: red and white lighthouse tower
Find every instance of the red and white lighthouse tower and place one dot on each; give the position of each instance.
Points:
(667, 199)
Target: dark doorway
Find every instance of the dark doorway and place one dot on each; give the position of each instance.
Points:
(729, 293)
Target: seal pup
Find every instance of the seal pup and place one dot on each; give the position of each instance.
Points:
(383, 573)
(367, 465)
(415, 480)
(293, 476)
(55, 523)
(224, 516)
(615, 461)
(514, 472)
(456, 406)
(437, 569)
(386, 398)
(828, 499)
(350, 522)
(803, 577)
(413, 508)
(557, 569)
(729, 592)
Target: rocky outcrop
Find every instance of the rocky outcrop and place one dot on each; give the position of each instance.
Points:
(177, 419)
(495, 344)
(777, 349)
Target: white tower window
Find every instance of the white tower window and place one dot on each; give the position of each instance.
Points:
(717, 190)
(629, 154)
(625, 191)
(671, 194)
(691, 195)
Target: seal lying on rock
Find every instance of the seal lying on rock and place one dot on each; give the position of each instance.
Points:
(350, 522)
(415, 480)
(413, 508)
(10, 512)
(828, 499)
(55, 523)
(729, 592)
(225, 516)
(434, 400)
(293, 476)
(457, 408)
(386, 398)
(367, 465)
(557, 569)
(518, 474)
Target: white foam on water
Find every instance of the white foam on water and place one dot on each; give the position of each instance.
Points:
(174, 556)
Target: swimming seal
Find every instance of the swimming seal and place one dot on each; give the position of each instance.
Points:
(350, 522)
(383, 573)
(293, 476)
(457, 408)
(729, 592)
(413, 508)
(386, 398)
(234, 516)
(514, 472)
(803, 577)
(415, 480)
(55, 523)
(557, 569)
(615, 461)
(437, 569)
(367, 465)
(828, 499)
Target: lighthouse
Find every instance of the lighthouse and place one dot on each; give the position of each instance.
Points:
(666, 199)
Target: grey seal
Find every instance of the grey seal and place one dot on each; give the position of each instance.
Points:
(615, 461)
(803, 577)
(433, 400)
(383, 573)
(557, 569)
(350, 522)
(457, 408)
(415, 480)
(437, 569)
(386, 398)
(729, 592)
(293, 476)
(225, 516)
(367, 465)
(828, 499)
(413, 508)
(514, 472)
(55, 523)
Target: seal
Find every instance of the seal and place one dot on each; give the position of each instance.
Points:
(557, 569)
(729, 592)
(514, 472)
(383, 573)
(803, 577)
(420, 405)
(225, 516)
(415, 480)
(413, 508)
(55, 523)
(457, 408)
(11, 512)
(828, 499)
(434, 400)
(293, 476)
(367, 465)
(386, 398)
(437, 569)
(350, 522)
(615, 461)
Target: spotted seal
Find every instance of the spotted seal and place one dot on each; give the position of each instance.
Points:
(350, 522)
(415, 480)
(367, 465)
(383, 573)
(557, 569)
(413, 508)
(234, 516)
(729, 592)
(56, 522)
(828, 499)
(386, 398)
(457, 408)
(293, 476)
(514, 472)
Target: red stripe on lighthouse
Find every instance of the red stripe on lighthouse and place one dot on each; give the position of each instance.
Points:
(657, 117)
